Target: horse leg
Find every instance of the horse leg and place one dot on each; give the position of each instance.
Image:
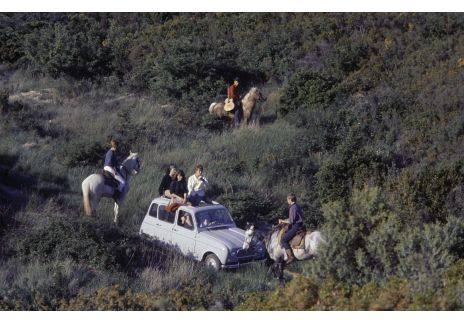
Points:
(116, 211)
(94, 204)
(281, 273)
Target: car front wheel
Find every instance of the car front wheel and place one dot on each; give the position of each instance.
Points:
(213, 262)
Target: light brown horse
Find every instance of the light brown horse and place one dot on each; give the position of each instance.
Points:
(248, 104)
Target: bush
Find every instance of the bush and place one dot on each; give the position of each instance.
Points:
(212, 123)
(82, 240)
(305, 90)
(300, 294)
(76, 48)
(80, 153)
(4, 94)
(248, 206)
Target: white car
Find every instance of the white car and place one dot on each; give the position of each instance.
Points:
(206, 233)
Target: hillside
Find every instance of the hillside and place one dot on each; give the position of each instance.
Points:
(363, 122)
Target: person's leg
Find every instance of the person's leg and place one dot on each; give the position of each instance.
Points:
(121, 181)
(288, 237)
(194, 200)
(236, 117)
(206, 199)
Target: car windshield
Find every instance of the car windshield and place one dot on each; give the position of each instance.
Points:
(213, 217)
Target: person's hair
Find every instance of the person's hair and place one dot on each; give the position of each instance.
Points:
(199, 167)
(236, 79)
(181, 172)
(114, 142)
(292, 197)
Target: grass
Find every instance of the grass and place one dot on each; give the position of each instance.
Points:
(56, 192)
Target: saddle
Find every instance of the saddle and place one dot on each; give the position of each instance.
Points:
(297, 241)
(110, 180)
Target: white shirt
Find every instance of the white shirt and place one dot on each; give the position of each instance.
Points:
(195, 186)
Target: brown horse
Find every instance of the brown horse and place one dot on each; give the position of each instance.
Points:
(248, 104)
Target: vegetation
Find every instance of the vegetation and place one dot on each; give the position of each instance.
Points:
(363, 123)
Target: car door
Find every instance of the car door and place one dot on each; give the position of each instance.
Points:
(165, 223)
(184, 233)
(151, 221)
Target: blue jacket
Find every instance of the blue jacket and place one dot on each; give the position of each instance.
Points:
(295, 215)
(111, 160)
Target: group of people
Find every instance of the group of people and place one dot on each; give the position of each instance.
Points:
(181, 192)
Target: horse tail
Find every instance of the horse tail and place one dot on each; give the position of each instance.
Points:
(86, 198)
(210, 109)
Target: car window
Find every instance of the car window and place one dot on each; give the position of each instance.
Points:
(165, 215)
(213, 217)
(185, 220)
(153, 210)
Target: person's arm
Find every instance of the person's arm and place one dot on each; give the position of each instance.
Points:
(162, 186)
(190, 185)
(291, 216)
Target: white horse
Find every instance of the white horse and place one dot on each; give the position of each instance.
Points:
(271, 240)
(94, 187)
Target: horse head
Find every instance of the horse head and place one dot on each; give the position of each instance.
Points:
(256, 94)
(260, 233)
(133, 163)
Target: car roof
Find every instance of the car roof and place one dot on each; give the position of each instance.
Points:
(165, 201)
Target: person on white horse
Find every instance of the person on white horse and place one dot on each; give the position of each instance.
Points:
(111, 166)
(295, 220)
(96, 185)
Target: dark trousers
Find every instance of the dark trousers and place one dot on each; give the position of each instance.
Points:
(196, 199)
(290, 234)
(238, 113)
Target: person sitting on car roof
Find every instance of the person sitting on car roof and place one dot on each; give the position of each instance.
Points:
(197, 184)
(178, 189)
(171, 174)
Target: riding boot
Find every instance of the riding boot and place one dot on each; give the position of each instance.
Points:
(290, 256)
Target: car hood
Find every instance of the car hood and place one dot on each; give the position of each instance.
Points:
(232, 238)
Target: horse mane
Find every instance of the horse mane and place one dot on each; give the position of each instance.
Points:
(249, 93)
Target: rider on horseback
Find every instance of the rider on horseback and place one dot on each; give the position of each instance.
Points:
(111, 165)
(232, 93)
(295, 220)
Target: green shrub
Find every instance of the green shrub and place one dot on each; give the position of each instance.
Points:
(76, 48)
(305, 90)
(4, 94)
(80, 153)
(248, 206)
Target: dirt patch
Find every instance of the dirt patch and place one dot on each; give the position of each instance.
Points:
(44, 96)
